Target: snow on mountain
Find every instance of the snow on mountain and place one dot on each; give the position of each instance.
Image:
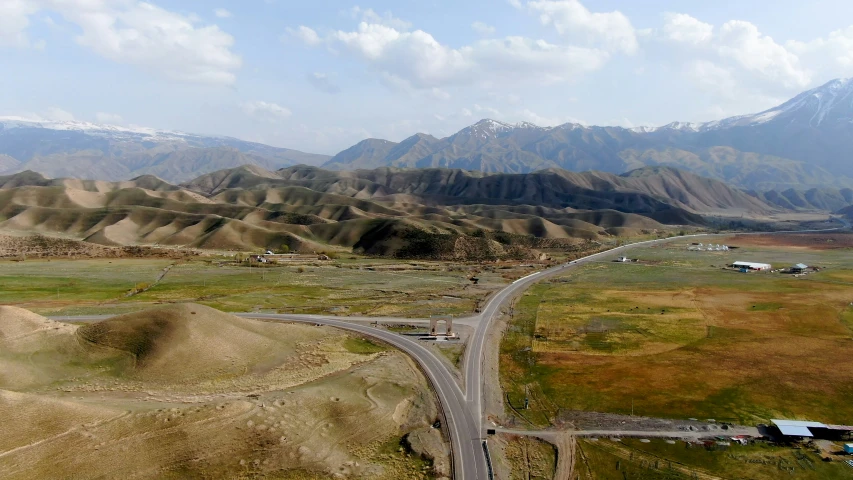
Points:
(830, 100)
(493, 127)
(132, 132)
(813, 107)
(111, 152)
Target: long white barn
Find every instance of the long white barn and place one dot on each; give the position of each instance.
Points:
(753, 266)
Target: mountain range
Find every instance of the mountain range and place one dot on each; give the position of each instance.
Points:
(805, 142)
(108, 152)
(800, 145)
(385, 211)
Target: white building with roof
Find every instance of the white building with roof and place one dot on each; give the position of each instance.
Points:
(753, 266)
(796, 428)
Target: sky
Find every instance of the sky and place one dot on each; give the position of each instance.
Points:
(320, 76)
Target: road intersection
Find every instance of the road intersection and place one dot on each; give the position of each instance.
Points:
(463, 410)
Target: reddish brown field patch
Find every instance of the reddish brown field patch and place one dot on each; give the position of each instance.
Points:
(812, 241)
(774, 347)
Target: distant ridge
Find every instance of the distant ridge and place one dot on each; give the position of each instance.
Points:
(803, 143)
(109, 152)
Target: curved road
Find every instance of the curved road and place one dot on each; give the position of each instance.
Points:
(463, 411)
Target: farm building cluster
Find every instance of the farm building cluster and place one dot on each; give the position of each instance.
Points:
(747, 267)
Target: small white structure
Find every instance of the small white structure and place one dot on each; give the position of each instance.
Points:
(623, 259)
(752, 266)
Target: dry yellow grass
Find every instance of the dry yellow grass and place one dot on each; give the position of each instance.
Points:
(750, 365)
(528, 458)
(675, 337)
(618, 322)
(170, 393)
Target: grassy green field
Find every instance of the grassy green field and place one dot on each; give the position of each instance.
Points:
(632, 459)
(676, 336)
(345, 287)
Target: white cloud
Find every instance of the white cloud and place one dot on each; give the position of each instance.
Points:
(522, 57)
(267, 111)
(483, 29)
(612, 30)
(306, 35)
(58, 114)
(418, 59)
(736, 58)
(757, 53)
(139, 33)
(387, 19)
(323, 82)
(489, 111)
(104, 117)
(14, 20)
(222, 13)
(544, 121)
(832, 56)
(712, 78)
(680, 27)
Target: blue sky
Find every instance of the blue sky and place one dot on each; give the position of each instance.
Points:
(319, 76)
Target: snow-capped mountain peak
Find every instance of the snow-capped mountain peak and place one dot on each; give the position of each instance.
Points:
(680, 126)
(10, 122)
(497, 126)
(831, 101)
(488, 128)
(99, 130)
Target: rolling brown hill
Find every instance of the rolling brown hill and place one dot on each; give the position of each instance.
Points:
(186, 391)
(187, 342)
(383, 211)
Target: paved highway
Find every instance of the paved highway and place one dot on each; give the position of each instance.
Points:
(463, 411)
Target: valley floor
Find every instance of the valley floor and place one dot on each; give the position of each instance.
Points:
(677, 335)
(347, 286)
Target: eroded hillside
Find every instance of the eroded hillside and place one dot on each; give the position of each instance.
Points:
(186, 391)
(384, 211)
